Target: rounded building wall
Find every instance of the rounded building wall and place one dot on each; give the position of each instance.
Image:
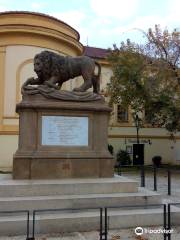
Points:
(22, 36)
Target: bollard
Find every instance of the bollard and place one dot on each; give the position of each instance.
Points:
(169, 221)
(106, 226)
(169, 182)
(142, 176)
(164, 213)
(155, 178)
(101, 224)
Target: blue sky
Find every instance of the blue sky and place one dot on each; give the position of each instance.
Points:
(101, 23)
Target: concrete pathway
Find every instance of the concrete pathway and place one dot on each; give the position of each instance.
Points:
(123, 234)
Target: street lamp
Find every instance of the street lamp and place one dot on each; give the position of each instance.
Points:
(138, 125)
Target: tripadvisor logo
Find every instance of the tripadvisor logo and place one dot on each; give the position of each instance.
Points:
(138, 231)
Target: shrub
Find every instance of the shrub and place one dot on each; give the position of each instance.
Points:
(110, 148)
(157, 161)
(123, 157)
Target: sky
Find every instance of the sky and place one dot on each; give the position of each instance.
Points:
(101, 23)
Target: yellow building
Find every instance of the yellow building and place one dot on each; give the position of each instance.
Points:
(24, 34)
(122, 131)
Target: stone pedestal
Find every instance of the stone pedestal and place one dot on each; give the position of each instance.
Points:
(62, 139)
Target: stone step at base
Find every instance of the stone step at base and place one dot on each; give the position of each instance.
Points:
(117, 184)
(85, 221)
(143, 196)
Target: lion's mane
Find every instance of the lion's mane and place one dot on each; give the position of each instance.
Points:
(52, 63)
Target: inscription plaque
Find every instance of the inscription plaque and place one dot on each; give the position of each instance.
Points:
(64, 131)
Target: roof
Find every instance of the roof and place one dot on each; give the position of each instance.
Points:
(95, 52)
(42, 15)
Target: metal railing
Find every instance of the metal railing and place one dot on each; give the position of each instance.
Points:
(143, 206)
(19, 211)
(155, 171)
(169, 225)
(103, 217)
(69, 210)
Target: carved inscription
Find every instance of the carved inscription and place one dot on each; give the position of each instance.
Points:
(64, 131)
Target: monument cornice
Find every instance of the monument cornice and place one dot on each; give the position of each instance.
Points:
(46, 104)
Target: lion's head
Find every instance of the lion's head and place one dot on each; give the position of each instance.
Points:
(47, 64)
(42, 64)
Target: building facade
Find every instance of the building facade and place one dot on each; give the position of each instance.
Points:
(24, 34)
(154, 141)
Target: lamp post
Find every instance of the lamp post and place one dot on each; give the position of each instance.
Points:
(137, 124)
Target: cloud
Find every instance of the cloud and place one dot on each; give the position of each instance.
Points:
(172, 17)
(114, 8)
(77, 20)
(3, 9)
(5, 5)
(37, 5)
(74, 17)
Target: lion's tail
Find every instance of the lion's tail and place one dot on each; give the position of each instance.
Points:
(96, 79)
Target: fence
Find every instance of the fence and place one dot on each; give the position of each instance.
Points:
(103, 217)
(145, 206)
(170, 217)
(16, 212)
(101, 230)
(101, 233)
(154, 170)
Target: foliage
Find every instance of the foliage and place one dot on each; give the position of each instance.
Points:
(148, 77)
(110, 148)
(157, 160)
(123, 157)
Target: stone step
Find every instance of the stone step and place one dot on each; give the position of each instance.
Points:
(118, 184)
(83, 221)
(143, 196)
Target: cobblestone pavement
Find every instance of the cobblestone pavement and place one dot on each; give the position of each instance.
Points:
(123, 234)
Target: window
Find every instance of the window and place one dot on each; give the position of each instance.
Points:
(122, 114)
(146, 117)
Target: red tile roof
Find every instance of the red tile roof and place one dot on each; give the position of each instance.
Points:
(95, 52)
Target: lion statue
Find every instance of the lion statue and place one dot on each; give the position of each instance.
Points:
(53, 70)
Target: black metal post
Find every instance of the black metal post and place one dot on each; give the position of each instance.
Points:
(155, 178)
(164, 216)
(33, 232)
(137, 124)
(169, 221)
(137, 129)
(142, 176)
(101, 227)
(106, 230)
(27, 234)
(169, 182)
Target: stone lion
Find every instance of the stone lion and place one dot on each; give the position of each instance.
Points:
(53, 70)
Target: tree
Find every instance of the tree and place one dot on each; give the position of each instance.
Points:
(147, 77)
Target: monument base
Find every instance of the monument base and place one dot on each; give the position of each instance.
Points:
(62, 139)
(44, 168)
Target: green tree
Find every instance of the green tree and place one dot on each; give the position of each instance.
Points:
(147, 77)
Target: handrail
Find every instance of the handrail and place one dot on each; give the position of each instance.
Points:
(20, 211)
